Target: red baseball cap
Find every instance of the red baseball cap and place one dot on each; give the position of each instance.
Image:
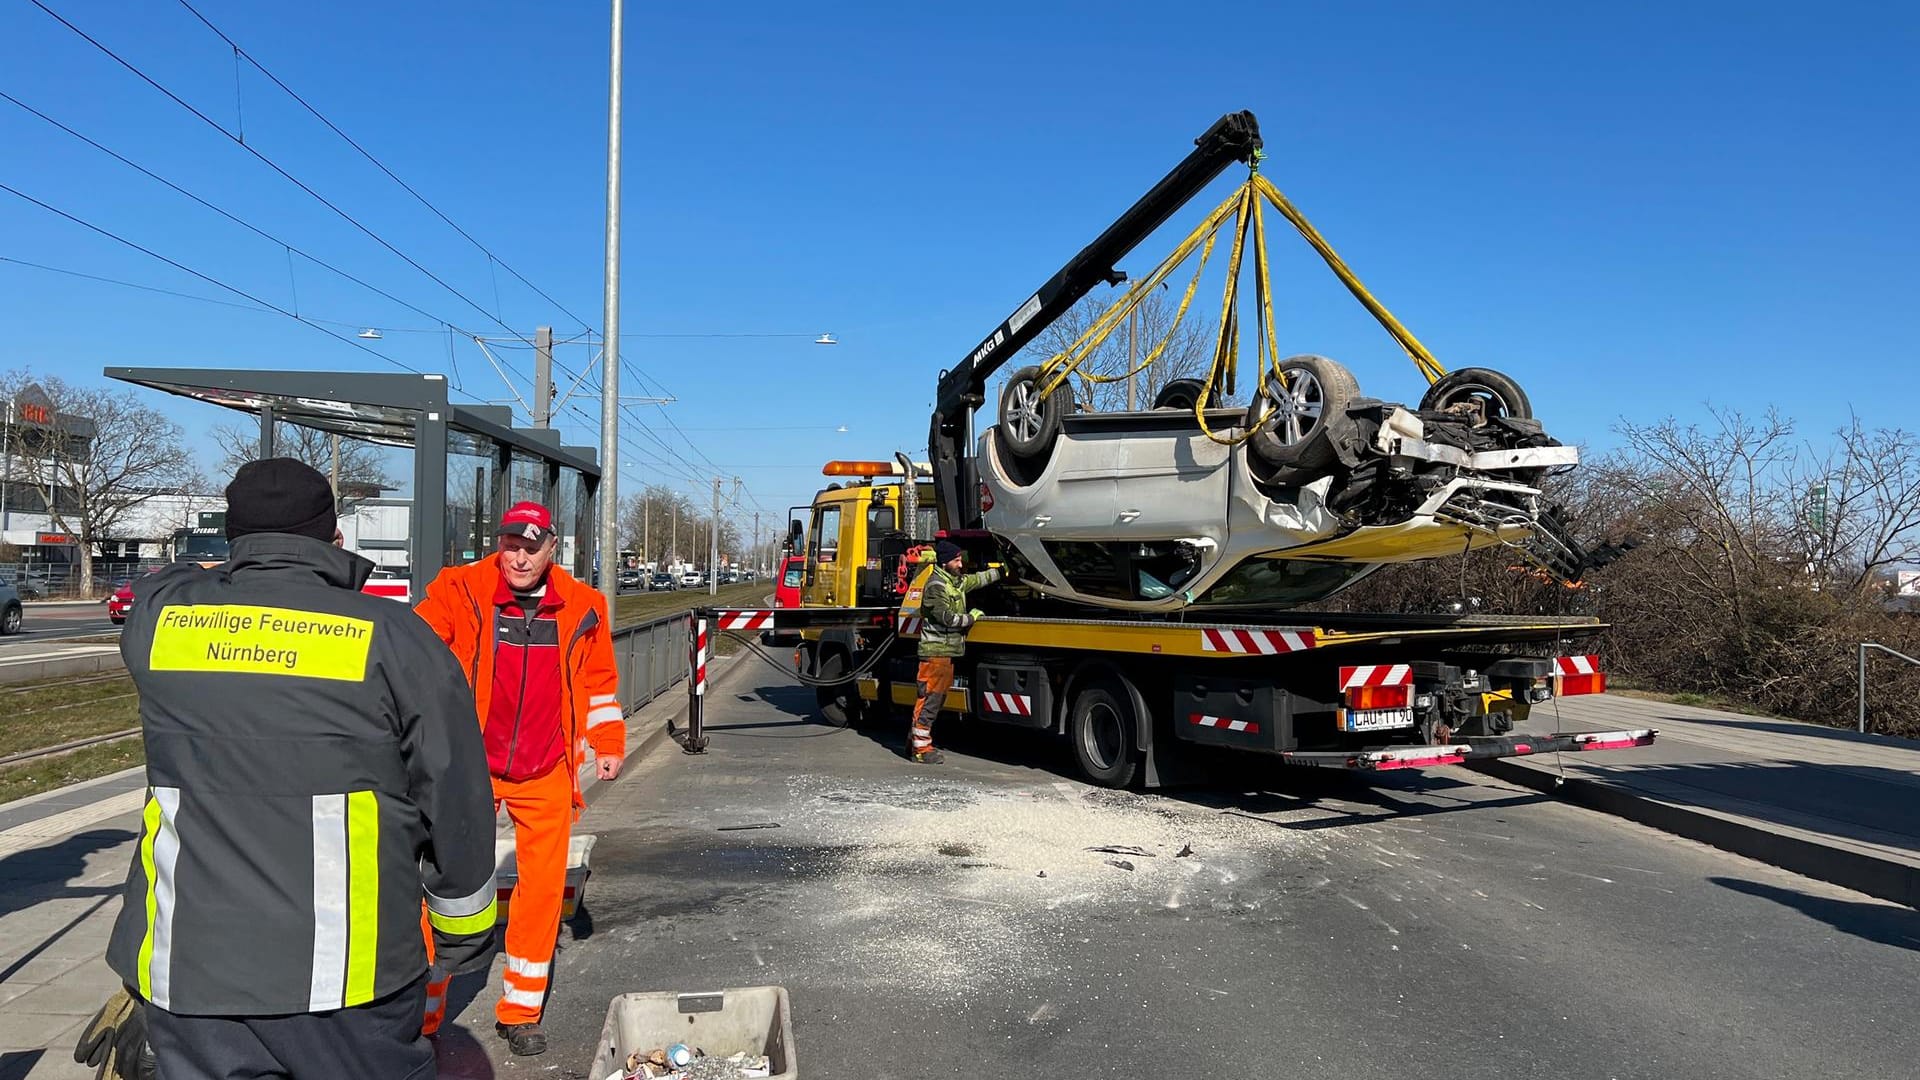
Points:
(528, 519)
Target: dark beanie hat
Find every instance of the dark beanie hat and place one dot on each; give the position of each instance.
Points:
(280, 495)
(945, 551)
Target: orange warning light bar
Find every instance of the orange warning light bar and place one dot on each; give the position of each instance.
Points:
(860, 468)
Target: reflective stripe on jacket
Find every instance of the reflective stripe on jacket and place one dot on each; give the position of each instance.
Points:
(459, 607)
(312, 771)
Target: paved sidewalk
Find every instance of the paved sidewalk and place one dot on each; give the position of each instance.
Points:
(1820, 801)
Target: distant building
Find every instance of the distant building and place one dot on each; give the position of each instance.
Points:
(38, 446)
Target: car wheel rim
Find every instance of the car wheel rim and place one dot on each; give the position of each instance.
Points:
(1024, 414)
(1104, 736)
(1297, 406)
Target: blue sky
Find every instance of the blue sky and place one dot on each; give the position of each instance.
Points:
(1636, 209)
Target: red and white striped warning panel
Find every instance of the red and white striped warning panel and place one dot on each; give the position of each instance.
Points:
(1255, 642)
(1375, 675)
(1225, 723)
(908, 626)
(1010, 704)
(1576, 665)
(744, 620)
(399, 589)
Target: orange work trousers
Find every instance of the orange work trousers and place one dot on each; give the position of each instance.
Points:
(934, 679)
(542, 813)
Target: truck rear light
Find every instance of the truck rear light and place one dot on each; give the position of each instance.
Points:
(1380, 697)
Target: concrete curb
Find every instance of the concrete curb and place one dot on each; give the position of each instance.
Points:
(34, 670)
(1861, 871)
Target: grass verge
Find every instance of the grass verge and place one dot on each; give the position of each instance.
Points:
(47, 774)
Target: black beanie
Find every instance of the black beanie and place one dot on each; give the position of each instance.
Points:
(945, 551)
(280, 495)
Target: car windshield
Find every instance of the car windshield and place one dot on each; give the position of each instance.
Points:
(1283, 581)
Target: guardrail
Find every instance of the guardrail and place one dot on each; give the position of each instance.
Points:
(652, 658)
(1864, 646)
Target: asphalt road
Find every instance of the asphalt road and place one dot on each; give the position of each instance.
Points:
(52, 622)
(949, 921)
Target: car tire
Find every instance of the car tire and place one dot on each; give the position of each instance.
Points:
(1101, 725)
(839, 705)
(1182, 394)
(1029, 424)
(1498, 395)
(1299, 425)
(10, 620)
(117, 620)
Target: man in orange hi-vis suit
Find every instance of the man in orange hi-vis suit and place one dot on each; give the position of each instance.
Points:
(537, 646)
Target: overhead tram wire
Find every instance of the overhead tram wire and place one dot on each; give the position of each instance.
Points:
(236, 219)
(377, 163)
(145, 288)
(109, 234)
(270, 163)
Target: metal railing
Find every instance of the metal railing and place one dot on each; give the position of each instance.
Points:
(652, 658)
(61, 581)
(1864, 646)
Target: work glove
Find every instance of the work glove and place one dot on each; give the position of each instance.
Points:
(974, 615)
(115, 1041)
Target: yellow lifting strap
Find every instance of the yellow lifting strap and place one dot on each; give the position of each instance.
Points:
(1244, 209)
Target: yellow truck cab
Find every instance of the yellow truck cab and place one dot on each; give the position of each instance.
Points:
(858, 533)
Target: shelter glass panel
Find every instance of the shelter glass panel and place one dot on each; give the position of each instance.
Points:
(471, 515)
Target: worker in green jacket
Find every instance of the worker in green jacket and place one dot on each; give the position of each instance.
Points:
(945, 618)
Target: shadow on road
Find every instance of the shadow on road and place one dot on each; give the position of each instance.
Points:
(16, 1064)
(1886, 924)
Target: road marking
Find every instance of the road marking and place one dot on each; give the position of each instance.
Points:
(58, 826)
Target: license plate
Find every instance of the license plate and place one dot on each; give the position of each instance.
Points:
(1375, 719)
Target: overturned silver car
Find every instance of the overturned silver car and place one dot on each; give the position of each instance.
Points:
(1305, 491)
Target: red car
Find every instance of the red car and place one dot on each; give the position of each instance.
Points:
(786, 594)
(793, 572)
(120, 603)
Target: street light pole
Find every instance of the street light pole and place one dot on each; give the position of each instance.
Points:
(610, 349)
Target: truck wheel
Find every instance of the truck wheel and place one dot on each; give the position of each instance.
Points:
(1496, 394)
(1030, 423)
(1299, 425)
(1101, 728)
(839, 704)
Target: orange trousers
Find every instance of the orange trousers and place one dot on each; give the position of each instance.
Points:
(542, 813)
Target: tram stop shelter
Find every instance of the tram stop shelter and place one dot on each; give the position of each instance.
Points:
(469, 462)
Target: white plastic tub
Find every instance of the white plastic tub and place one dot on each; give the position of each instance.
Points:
(753, 1019)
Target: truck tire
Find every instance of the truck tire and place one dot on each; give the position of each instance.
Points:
(1101, 727)
(840, 704)
(1300, 425)
(1182, 394)
(1030, 423)
(1497, 394)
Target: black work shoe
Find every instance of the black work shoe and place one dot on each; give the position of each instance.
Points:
(523, 1040)
(929, 757)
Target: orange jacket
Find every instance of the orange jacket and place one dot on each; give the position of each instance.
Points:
(459, 607)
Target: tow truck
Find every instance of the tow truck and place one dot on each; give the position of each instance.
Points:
(1137, 694)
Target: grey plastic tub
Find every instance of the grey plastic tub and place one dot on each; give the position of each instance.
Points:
(754, 1019)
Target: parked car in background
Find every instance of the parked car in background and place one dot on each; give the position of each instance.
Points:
(661, 582)
(120, 601)
(10, 611)
(31, 586)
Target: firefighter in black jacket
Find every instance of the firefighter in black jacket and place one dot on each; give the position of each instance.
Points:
(313, 774)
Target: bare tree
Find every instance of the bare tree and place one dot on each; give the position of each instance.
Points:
(363, 465)
(1188, 353)
(100, 454)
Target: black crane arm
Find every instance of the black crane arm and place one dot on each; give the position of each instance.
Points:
(1234, 137)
